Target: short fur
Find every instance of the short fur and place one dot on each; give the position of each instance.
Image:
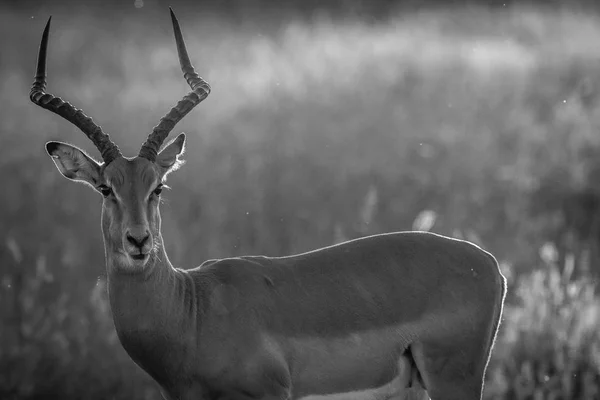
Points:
(352, 319)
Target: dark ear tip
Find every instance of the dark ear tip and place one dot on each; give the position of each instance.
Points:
(51, 147)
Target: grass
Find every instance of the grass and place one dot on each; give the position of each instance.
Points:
(549, 344)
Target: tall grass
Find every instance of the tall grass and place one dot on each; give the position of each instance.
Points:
(549, 345)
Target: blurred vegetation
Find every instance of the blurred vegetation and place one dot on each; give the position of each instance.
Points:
(471, 122)
(549, 344)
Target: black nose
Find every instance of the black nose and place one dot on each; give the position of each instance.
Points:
(138, 240)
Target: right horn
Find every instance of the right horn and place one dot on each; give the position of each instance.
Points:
(38, 95)
(200, 90)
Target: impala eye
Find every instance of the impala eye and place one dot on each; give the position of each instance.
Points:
(158, 190)
(105, 190)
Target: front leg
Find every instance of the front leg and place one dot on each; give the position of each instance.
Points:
(262, 384)
(266, 377)
(192, 391)
(270, 389)
(244, 395)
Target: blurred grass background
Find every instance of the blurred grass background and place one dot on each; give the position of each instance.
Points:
(326, 122)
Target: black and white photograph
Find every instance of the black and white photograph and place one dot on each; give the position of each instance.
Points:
(300, 200)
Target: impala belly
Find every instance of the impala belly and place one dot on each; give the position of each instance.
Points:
(358, 362)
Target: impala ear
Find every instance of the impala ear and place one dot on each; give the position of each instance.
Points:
(74, 164)
(169, 157)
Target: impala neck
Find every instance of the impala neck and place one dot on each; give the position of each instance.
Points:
(147, 299)
(155, 312)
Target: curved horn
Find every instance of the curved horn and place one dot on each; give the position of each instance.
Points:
(38, 95)
(200, 90)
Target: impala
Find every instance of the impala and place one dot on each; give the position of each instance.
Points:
(373, 318)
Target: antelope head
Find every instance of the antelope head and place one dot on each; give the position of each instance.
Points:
(130, 186)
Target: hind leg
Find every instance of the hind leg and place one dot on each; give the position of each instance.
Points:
(416, 391)
(451, 371)
(407, 385)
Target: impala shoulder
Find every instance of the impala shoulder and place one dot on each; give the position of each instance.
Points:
(242, 271)
(215, 268)
(233, 281)
(237, 263)
(208, 263)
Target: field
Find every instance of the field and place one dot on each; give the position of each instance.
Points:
(472, 122)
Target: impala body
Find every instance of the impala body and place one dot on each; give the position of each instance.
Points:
(334, 320)
(382, 317)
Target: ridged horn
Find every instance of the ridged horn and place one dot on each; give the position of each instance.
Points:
(200, 90)
(38, 95)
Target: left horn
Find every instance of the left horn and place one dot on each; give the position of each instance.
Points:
(200, 90)
(38, 95)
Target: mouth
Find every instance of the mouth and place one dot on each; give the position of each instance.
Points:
(139, 256)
